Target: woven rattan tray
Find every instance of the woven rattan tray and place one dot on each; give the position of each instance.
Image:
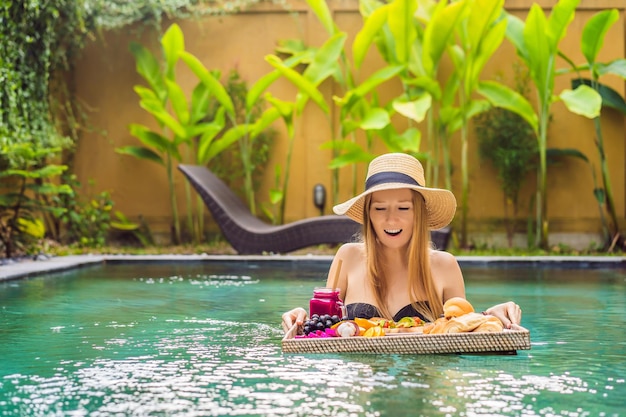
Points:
(507, 341)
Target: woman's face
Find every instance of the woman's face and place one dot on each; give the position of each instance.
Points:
(391, 214)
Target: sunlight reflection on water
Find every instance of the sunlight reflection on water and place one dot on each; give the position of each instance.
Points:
(205, 345)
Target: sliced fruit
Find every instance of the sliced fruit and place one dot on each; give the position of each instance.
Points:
(365, 323)
(387, 324)
(410, 322)
(375, 331)
(406, 322)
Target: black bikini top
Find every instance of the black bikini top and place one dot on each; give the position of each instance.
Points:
(367, 311)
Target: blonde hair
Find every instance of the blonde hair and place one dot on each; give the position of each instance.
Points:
(418, 255)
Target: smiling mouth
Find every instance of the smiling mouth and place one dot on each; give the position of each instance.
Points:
(393, 232)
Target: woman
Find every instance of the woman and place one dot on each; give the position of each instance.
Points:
(394, 272)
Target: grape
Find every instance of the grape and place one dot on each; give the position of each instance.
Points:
(319, 322)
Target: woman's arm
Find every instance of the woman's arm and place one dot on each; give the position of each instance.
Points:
(448, 270)
(338, 272)
(345, 254)
(447, 275)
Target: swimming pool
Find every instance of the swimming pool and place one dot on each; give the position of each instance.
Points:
(203, 339)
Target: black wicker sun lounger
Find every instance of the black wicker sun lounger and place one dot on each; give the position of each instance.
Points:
(248, 234)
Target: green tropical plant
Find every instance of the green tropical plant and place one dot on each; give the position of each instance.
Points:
(537, 43)
(82, 222)
(361, 112)
(416, 36)
(89, 223)
(439, 25)
(245, 132)
(36, 49)
(322, 65)
(509, 143)
(340, 71)
(592, 41)
(412, 38)
(186, 124)
(231, 162)
(182, 124)
(139, 231)
(22, 209)
(359, 107)
(480, 32)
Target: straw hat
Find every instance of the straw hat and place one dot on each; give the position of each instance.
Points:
(399, 170)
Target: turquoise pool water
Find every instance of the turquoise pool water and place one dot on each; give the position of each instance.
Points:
(203, 339)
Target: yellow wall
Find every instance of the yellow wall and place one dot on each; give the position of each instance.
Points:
(105, 76)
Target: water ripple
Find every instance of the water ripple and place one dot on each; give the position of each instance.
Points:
(186, 344)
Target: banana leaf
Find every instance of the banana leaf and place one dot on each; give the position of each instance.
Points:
(610, 97)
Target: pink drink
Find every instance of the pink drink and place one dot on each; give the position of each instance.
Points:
(326, 301)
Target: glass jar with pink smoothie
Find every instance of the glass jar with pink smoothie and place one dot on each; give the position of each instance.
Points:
(326, 301)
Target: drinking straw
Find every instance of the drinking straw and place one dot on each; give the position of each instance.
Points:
(336, 277)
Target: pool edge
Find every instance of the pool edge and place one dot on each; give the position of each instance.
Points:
(29, 268)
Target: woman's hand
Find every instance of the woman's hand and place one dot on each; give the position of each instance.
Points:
(509, 313)
(297, 315)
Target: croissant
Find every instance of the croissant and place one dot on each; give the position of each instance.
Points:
(459, 317)
(464, 323)
(436, 326)
(491, 324)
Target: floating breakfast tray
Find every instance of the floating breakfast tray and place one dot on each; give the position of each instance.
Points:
(507, 341)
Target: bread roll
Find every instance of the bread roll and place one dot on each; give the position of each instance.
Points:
(456, 307)
(491, 324)
(464, 323)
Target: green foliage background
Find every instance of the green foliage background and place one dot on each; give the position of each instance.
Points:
(39, 118)
(38, 42)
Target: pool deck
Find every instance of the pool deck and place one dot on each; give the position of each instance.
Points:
(21, 269)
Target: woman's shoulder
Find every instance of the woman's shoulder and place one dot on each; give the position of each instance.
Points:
(442, 258)
(447, 273)
(351, 250)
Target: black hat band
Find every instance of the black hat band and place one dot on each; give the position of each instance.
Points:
(388, 177)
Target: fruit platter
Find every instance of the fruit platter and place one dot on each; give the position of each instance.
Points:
(458, 332)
